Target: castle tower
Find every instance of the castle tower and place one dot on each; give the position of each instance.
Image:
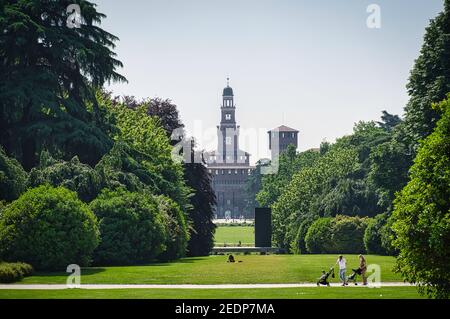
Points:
(228, 165)
(280, 138)
(228, 131)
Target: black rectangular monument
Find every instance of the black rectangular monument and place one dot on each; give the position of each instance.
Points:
(263, 227)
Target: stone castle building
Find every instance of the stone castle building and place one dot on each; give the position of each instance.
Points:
(230, 167)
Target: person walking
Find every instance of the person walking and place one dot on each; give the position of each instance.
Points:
(342, 268)
(363, 268)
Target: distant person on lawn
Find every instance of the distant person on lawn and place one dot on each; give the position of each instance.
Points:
(342, 267)
(363, 268)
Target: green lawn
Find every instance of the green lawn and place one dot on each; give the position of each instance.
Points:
(231, 235)
(215, 270)
(287, 293)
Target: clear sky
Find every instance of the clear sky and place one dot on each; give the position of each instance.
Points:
(313, 65)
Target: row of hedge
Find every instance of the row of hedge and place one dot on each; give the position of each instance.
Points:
(344, 234)
(50, 228)
(11, 272)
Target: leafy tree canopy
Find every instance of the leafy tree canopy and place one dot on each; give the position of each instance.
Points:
(13, 178)
(422, 213)
(73, 175)
(48, 73)
(430, 79)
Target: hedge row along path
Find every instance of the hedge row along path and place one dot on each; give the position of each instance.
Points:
(223, 286)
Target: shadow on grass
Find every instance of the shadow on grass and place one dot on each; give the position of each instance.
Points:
(186, 260)
(84, 272)
(87, 271)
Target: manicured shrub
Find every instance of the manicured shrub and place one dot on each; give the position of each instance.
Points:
(348, 234)
(13, 178)
(342, 234)
(26, 269)
(300, 244)
(176, 229)
(318, 238)
(373, 235)
(131, 226)
(49, 228)
(11, 272)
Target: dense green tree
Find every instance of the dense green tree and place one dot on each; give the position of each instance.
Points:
(429, 82)
(147, 139)
(141, 161)
(48, 228)
(324, 147)
(348, 194)
(389, 121)
(202, 213)
(201, 202)
(430, 79)
(366, 136)
(49, 72)
(73, 175)
(163, 109)
(13, 178)
(176, 228)
(387, 236)
(306, 186)
(123, 166)
(129, 168)
(422, 213)
(344, 178)
(289, 163)
(388, 173)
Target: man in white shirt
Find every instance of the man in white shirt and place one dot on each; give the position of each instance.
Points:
(342, 267)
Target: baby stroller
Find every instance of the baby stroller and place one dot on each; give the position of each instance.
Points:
(323, 280)
(353, 276)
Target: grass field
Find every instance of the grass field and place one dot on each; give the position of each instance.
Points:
(288, 293)
(231, 235)
(253, 269)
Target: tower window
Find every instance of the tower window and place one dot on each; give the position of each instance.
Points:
(228, 116)
(228, 140)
